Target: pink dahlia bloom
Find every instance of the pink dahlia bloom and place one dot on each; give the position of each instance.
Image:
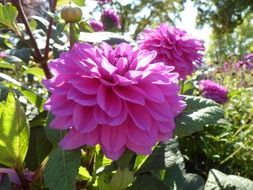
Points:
(213, 91)
(113, 97)
(110, 19)
(97, 25)
(174, 47)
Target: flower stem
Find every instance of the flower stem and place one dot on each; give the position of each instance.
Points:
(37, 53)
(71, 35)
(24, 182)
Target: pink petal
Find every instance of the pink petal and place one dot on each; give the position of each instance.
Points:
(104, 119)
(113, 139)
(62, 122)
(130, 93)
(63, 109)
(83, 119)
(75, 139)
(106, 48)
(11, 174)
(138, 140)
(140, 116)
(123, 81)
(107, 69)
(80, 98)
(86, 85)
(108, 101)
(122, 49)
(145, 58)
(152, 92)
(161, 112)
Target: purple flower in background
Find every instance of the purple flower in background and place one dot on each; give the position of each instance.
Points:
(3, 55)
(97, 25)
(113, 97)
(13, 176)
(104, 1)
(214, 91)
(246, 62)
(174, 47)
(110, 19)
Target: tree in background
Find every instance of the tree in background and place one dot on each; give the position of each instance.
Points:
(231, 22)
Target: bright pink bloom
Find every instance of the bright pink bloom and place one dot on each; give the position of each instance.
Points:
(113, 97)
(97, 25)
(174, 47)
(110, 19)
(213, 91)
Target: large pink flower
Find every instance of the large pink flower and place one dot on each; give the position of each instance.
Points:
(174, 47)
(113, 97)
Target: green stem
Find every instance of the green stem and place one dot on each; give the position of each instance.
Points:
(71, 35)
(182, 87)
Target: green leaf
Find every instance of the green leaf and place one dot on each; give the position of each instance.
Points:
(163, 156)
(83, 174)
(39, 148)
(38, 72)
(61, 3)
(53, 135)
(6, 65)
(139, 161)
(8, 15)
(35, 99)
(14, 136)
(218, 180)
(121, 179)
(85, 27)
(62, 169)
(198, 113)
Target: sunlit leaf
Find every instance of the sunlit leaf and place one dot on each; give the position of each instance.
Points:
(8, 15)
(14, 136)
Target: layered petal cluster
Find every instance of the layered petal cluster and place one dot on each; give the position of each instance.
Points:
(110, 19)
(213, 91)
(113, 97)
(97, 25)
(174, 47)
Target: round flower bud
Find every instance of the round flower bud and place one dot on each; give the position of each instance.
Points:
(71, 13)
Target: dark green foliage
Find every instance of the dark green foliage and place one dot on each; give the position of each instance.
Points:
(62, 169)
(198, 113)
(222, 16)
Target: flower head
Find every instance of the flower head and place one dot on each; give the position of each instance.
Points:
(113, 97)
(110, 19)
(213, 91)
(246, 62)
(97, 25)
(104, 1)
(174, 47)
